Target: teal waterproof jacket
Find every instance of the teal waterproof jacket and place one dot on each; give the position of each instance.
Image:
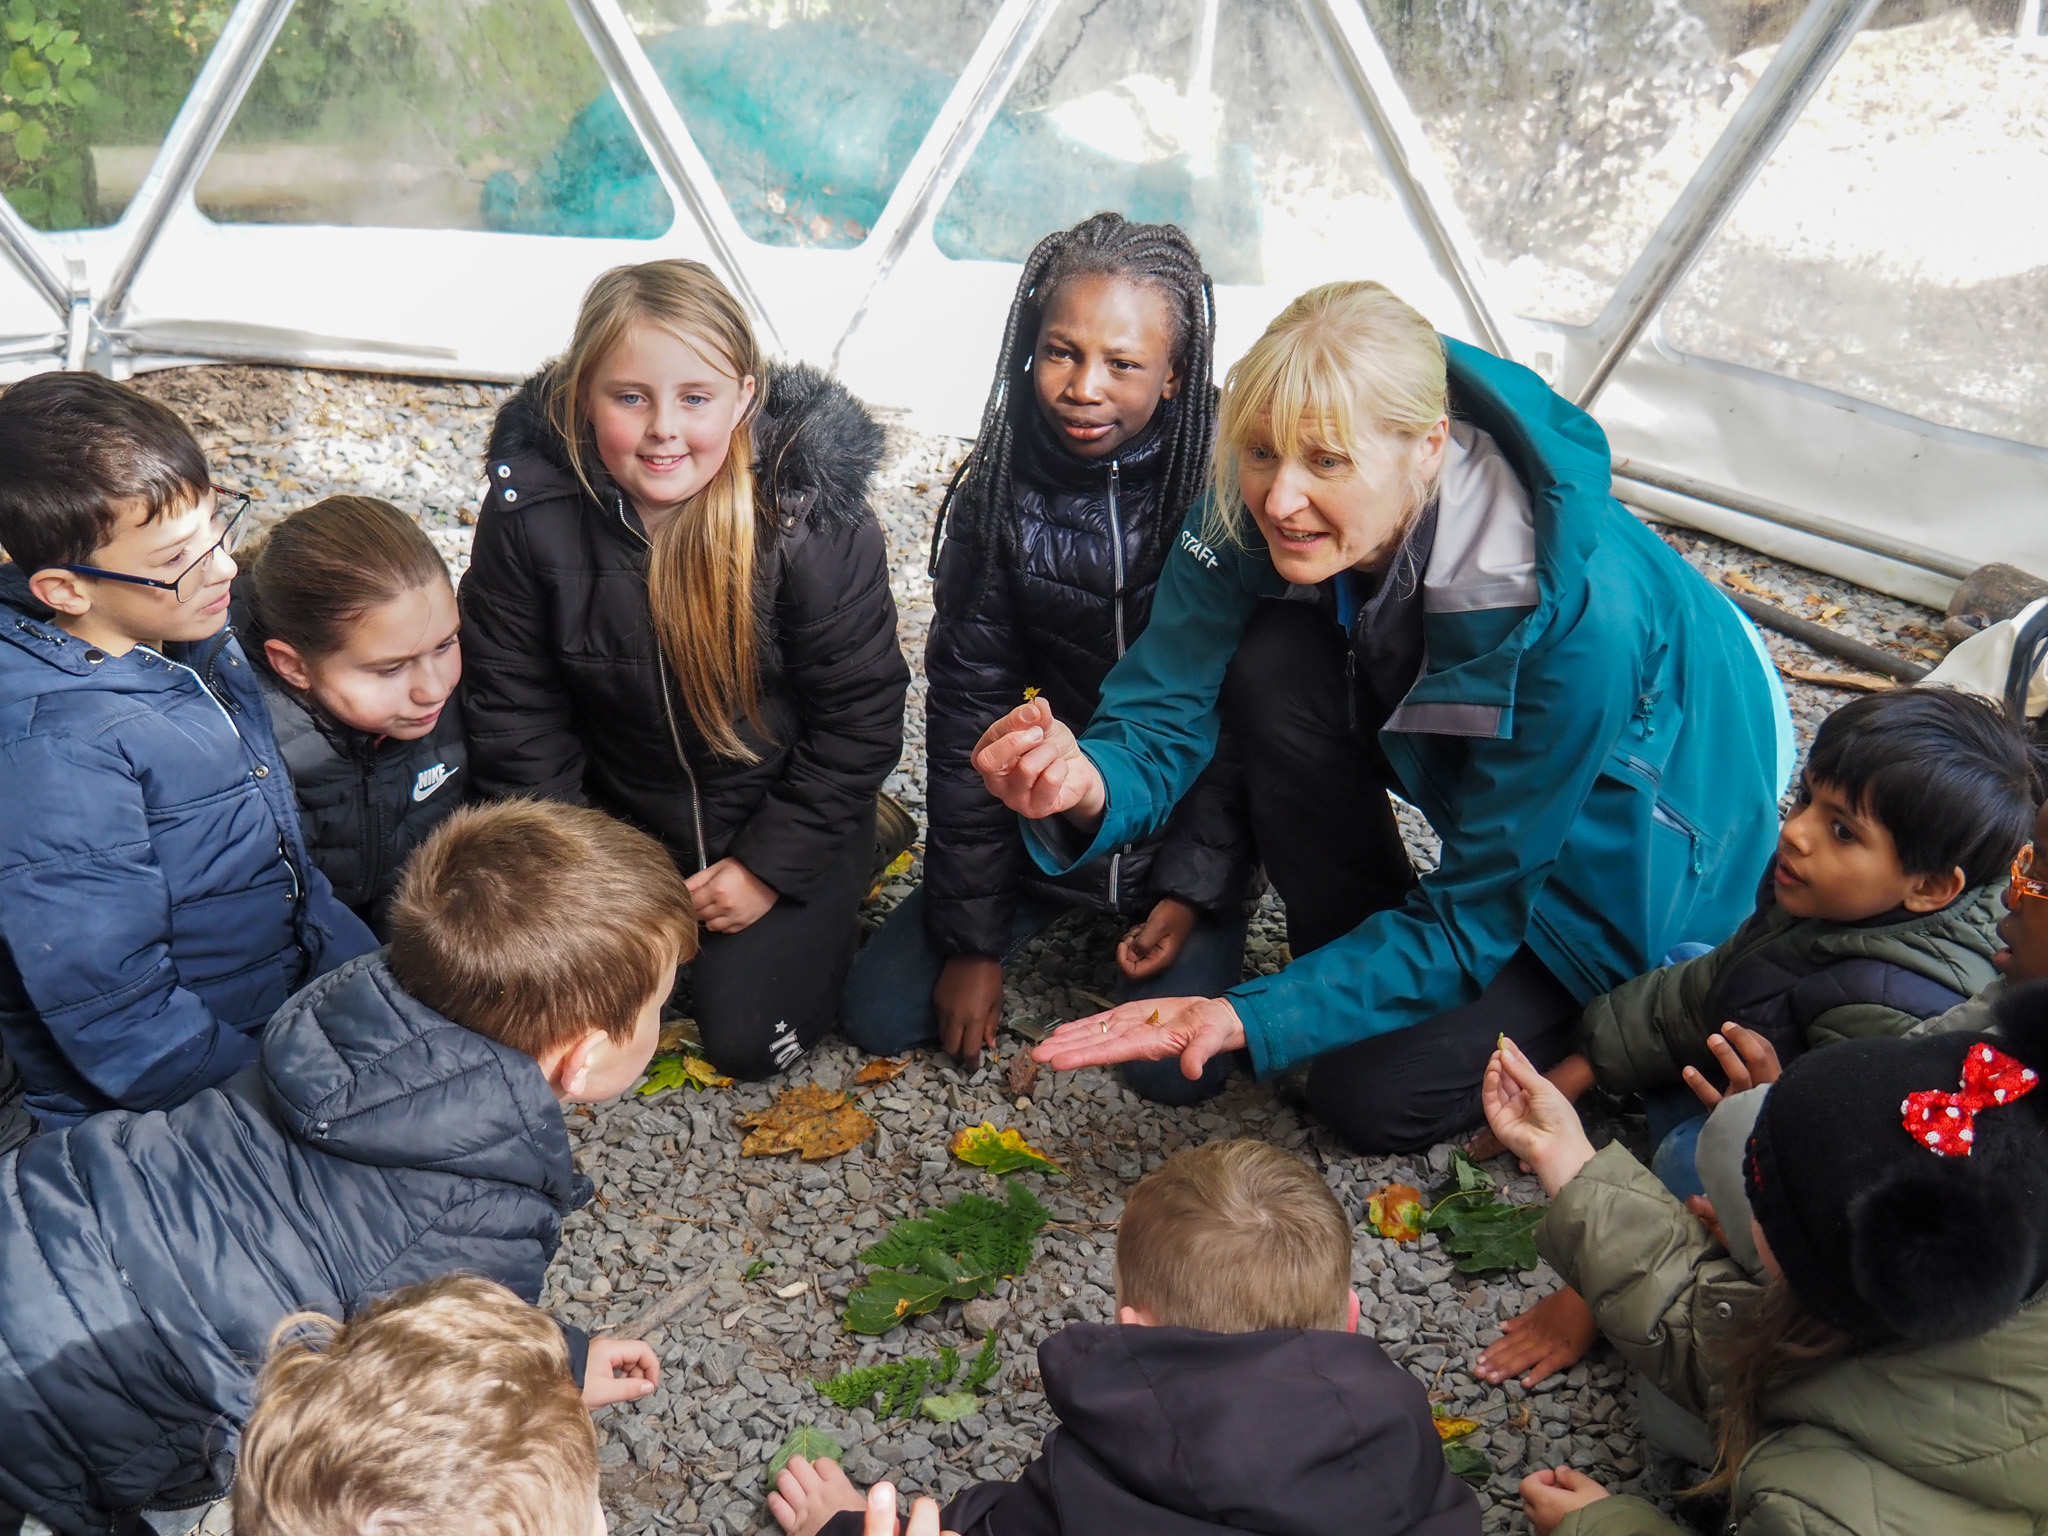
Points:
(1596, 734)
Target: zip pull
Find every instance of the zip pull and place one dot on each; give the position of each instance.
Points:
(1350, 690)
(1699, 862)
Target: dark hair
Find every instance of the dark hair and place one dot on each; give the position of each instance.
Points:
(980, 501)
(1947, 773)
(531, 922)
(72, 445)
(1773, 1340)
(325, 566)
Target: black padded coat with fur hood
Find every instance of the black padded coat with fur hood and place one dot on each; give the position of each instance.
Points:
(564, 689)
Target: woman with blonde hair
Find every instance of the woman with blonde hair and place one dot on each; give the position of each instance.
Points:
(1409, 576)
(678, 610)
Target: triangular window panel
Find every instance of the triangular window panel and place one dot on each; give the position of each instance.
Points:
(434, 114)
(1896, 246)
(88, 89)
(809, 112)
(1567, 129)
(1224, 118)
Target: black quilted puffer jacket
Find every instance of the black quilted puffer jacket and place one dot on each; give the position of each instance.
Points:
(1057, 619)
(566, 695)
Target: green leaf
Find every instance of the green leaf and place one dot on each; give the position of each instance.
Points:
(950, 1409)
(1491, 1237)
(22, 13)
(31, 141)
(757, 1269)
(681, 1071)
(9, 121)
(985, 1365)
(1468, 1462)
(949, 1366)
(892, 1296)
(807, 1441)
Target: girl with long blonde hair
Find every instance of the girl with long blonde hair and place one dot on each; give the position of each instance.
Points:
(678, 610)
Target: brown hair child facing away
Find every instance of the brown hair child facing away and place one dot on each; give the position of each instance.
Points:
(1233, 1393)
(444, 1409)
(403, 1122)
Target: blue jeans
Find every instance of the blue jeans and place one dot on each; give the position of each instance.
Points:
(887, 1005)
(1676, 1116)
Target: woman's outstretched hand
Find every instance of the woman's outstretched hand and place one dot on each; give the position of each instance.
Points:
(1192, 1028)
(1533, 1118)
(1032, 763)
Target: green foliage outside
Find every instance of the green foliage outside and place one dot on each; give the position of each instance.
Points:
(467, 87)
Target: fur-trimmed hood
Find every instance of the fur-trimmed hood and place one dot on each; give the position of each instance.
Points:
(815, 446)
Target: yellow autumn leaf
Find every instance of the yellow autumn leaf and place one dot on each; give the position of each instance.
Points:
(880, 1070)
(1396, 1211)
(1030, 694)
(1000, 1152)
(1449, 1427)
(814, 1122)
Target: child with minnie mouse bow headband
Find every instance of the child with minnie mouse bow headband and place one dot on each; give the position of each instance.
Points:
(1887, 1376)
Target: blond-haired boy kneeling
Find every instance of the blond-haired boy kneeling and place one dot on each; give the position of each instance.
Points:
(444, 1409)
(1233, 1393)
(403, 1122)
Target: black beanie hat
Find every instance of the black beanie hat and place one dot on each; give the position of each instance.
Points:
(1877, 1234)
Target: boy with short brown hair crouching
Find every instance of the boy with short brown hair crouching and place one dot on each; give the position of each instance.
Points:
(1233, 1393)
(445, 1409)
(402, 1122)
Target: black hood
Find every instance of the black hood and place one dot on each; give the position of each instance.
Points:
(815, 445)
(1287, 1432)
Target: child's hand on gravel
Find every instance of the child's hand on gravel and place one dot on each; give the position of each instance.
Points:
(1533, 1118)
(618, 1371)
(1547, 1497)
(809, 1493)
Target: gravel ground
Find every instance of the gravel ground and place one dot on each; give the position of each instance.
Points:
(680, 1219)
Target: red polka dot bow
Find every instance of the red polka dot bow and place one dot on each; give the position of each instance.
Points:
(1947, 1122)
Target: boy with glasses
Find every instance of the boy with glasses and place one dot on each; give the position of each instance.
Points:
(156, 900)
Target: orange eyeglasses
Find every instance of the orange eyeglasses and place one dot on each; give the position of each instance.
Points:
(2024, 880)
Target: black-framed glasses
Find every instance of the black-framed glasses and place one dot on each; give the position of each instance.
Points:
(188, 581)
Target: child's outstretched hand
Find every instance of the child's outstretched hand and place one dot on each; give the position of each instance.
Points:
(619, 1371)
(1533, 1118)
(1748, 1059)
(1547, 1497)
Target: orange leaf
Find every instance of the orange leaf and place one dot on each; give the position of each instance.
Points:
(880, 1070)
(1449, 1428)
(1397, 1212)
(815, 1122)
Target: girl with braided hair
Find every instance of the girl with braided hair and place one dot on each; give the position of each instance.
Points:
(1094, 445)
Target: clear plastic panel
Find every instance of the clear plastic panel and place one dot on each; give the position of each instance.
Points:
(1224, 118)
(808, 111)
(435, 114)
(1568, 127)
(1896, 246)
(88, 88)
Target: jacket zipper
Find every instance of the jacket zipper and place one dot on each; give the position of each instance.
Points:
(1665, 816)
(668, 708)
(1116, 546)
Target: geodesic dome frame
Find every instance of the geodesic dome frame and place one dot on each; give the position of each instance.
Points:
(1282, 132)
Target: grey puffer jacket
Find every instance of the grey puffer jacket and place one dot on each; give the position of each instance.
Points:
(145, 1257)
(1800, 982)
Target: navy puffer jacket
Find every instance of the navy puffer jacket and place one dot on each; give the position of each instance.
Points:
(1057, 619)
(145, 1258)
(157, 904)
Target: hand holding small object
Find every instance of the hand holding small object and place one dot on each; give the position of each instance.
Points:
(1031, 762)
(1192, 1028)
(1533, 1118)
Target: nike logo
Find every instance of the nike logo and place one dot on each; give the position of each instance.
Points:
(431, 779)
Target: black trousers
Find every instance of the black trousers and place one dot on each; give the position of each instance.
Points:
(1316, 784)
(765, 995)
